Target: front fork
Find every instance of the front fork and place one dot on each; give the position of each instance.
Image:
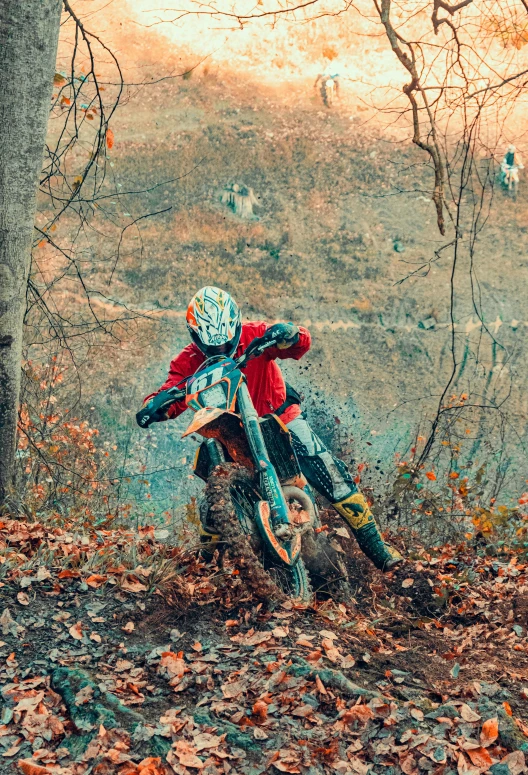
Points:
(268, 476)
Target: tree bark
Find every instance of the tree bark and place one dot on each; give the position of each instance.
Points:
(29, 32)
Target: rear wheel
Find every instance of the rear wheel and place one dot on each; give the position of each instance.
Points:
(230, 499)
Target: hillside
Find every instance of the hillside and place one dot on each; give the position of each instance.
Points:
(344, 216)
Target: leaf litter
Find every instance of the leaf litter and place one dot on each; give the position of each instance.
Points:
(102, 673)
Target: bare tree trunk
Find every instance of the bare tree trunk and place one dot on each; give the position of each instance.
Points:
(29, 32)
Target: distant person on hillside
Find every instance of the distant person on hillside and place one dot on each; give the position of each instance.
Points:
(215, 326)
(240, 199)
(510, 166)
(328, 85)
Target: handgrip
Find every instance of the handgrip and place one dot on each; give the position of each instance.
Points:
(155, 409)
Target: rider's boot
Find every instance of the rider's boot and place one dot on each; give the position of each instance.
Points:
(356, 512)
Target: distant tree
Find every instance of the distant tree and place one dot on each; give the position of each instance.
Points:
(29, 32)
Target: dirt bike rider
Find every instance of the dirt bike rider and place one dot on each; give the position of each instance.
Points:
(510, 165)
(215, 325)
(328, 84)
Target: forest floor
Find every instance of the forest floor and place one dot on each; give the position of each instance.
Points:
(121, 654)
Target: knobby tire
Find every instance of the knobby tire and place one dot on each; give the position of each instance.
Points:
(229, 495)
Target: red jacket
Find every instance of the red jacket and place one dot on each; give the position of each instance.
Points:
(264, 377)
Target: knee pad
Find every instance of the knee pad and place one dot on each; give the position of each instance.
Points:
(355, 510)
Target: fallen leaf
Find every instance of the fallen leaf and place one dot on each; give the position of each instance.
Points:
(406, 583)
(67, 573)
(303, 641)
(129, 627)
(480, 758)
(233, 689)
(122, 665)
(204, 740)
(342, 531)
(331, 652)
(187, 755)
(260, 710)
(30, 767)
(84, 695)
(430, 475)
(489, 732)
(29, 703)
(284, 766)
(96, 580)
(76, 631)
(259, 734)
(417, 714)
(515, 762)
(468, 714)
(7, 623)
(257, 638)
(95, 637)
(43, 573)
(132, 584)
(302, 711)
(171, 665)
(22, 598)
(360, 713)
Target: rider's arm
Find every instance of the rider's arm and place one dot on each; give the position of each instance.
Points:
(180, 367)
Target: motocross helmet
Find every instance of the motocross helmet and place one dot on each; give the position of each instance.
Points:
(214, 322)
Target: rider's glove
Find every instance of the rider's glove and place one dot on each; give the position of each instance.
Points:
(144, 418)
(287, 334)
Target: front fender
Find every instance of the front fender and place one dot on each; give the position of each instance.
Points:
(202, 418)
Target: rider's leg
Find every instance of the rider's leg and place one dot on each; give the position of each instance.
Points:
(332, 478)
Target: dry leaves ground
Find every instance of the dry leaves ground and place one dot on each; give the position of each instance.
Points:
(120, 655)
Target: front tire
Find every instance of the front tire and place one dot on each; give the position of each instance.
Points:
(230, 497)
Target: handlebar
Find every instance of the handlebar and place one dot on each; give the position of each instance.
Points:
(156, 408)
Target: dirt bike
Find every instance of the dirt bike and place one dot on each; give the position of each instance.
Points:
(255, 494)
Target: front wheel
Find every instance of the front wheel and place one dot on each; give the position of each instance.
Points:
(230, 499)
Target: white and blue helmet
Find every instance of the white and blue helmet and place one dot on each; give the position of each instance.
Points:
(214, 321)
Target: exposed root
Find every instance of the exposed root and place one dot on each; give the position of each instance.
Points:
(89, 708)
(332, 678)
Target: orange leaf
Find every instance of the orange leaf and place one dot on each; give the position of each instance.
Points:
(507, 708)
(453, 475)
(29, 767)
(360, 713)
(69, 574)
(430, 475)
(260, 709)
(95, 580)
(76, 631)
(489, 732)
(109, 138)
(480, 758)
